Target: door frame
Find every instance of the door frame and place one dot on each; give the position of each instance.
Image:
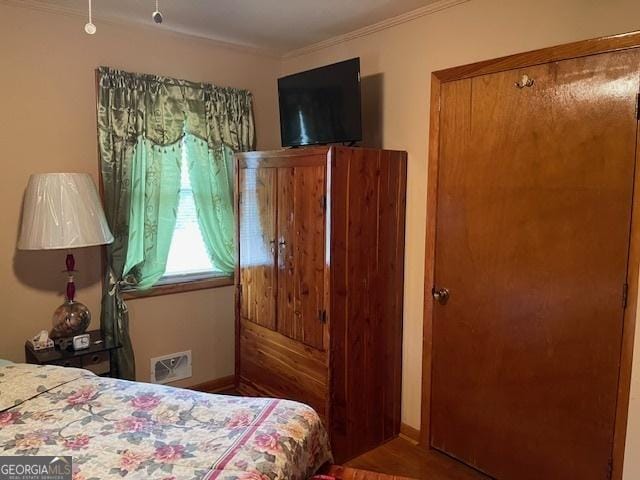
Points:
(536, 57)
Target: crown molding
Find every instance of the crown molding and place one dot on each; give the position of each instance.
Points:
(376, 27)
(437, 6)
(44, 6)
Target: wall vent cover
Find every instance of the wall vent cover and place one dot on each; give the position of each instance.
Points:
(170, 368)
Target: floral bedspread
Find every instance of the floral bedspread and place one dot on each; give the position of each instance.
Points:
(117, 429)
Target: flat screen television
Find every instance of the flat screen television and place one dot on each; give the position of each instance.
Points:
(321, 105)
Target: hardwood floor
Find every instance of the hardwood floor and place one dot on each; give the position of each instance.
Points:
(402, 457)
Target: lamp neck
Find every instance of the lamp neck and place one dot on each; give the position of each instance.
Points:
(71, 286)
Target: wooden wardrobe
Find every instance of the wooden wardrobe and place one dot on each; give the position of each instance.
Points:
(320, 285)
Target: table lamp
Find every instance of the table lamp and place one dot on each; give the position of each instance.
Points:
(63, 211)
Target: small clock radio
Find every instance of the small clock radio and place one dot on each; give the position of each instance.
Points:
(80, 342)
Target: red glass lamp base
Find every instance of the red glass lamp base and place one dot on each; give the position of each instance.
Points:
(71, 318)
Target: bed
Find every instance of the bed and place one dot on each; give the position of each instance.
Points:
(116, 429)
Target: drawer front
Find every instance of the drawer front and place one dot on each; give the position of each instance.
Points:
(98, 363)
(276, 366)
(69, 362)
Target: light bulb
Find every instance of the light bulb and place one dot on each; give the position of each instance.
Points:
(156, 15)
(89, 27)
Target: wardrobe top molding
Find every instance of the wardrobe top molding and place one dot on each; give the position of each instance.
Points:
(577, 49)
(303, 156)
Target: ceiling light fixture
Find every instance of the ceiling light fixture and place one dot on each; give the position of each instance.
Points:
(89, 27)
(157, 16)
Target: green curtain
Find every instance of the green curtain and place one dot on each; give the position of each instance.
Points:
(114, 316)
(155, 191)
(211, 175)
(142, 120)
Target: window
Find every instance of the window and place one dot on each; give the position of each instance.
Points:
(188, 257)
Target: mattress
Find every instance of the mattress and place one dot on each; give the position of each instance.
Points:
(116, 429)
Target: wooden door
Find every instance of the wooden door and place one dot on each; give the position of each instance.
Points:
(301, 253)
(257, 229)
(532, 237)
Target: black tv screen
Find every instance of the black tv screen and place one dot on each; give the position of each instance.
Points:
(321, 105)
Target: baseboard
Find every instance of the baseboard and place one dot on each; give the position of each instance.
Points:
(410, 433)
(216, 386)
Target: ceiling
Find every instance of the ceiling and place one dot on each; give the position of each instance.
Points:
(277, 25)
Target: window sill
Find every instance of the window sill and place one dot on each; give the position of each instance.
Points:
(180, 286)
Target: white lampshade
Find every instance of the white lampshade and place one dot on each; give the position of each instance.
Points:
(62, 210)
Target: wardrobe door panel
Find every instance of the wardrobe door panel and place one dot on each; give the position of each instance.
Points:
(289, 322)
(301, 249)
(257, 217)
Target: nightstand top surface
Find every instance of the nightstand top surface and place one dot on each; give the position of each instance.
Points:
(52, 355)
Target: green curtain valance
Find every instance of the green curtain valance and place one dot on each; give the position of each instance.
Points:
(163, 109)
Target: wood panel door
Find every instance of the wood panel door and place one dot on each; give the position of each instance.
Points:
(532, 236)
(257, 229)
(301, 253)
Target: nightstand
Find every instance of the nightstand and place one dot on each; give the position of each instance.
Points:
(96, 358)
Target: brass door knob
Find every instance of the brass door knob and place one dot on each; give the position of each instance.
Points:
(440, 295)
